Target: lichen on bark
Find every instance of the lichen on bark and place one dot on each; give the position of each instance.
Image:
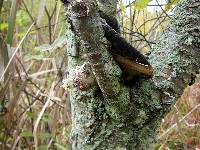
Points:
(106, 113)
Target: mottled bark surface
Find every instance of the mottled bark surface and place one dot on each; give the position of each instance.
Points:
(108, 114)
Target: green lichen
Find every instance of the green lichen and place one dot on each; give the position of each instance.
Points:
(175, 59)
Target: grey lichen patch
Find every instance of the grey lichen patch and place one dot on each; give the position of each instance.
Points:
(188, 22)
(112, 68)
(175, 61)
(147, 97)
(141, 118)
(113, 73)
(87, 110)
(163, 69)
(178, 50)
(124, 96)
(118, 110)
(107, 6)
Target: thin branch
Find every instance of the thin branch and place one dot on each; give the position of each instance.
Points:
(16, 50)
(41, 38)
(175, 125)
(41, 114)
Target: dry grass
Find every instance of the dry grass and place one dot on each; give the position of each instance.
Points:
(181, 127)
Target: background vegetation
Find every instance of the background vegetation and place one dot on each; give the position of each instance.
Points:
(35, 109)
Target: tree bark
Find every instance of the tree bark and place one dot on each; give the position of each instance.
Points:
(106, 112)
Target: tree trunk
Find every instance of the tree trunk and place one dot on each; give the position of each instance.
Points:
(106, 112)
